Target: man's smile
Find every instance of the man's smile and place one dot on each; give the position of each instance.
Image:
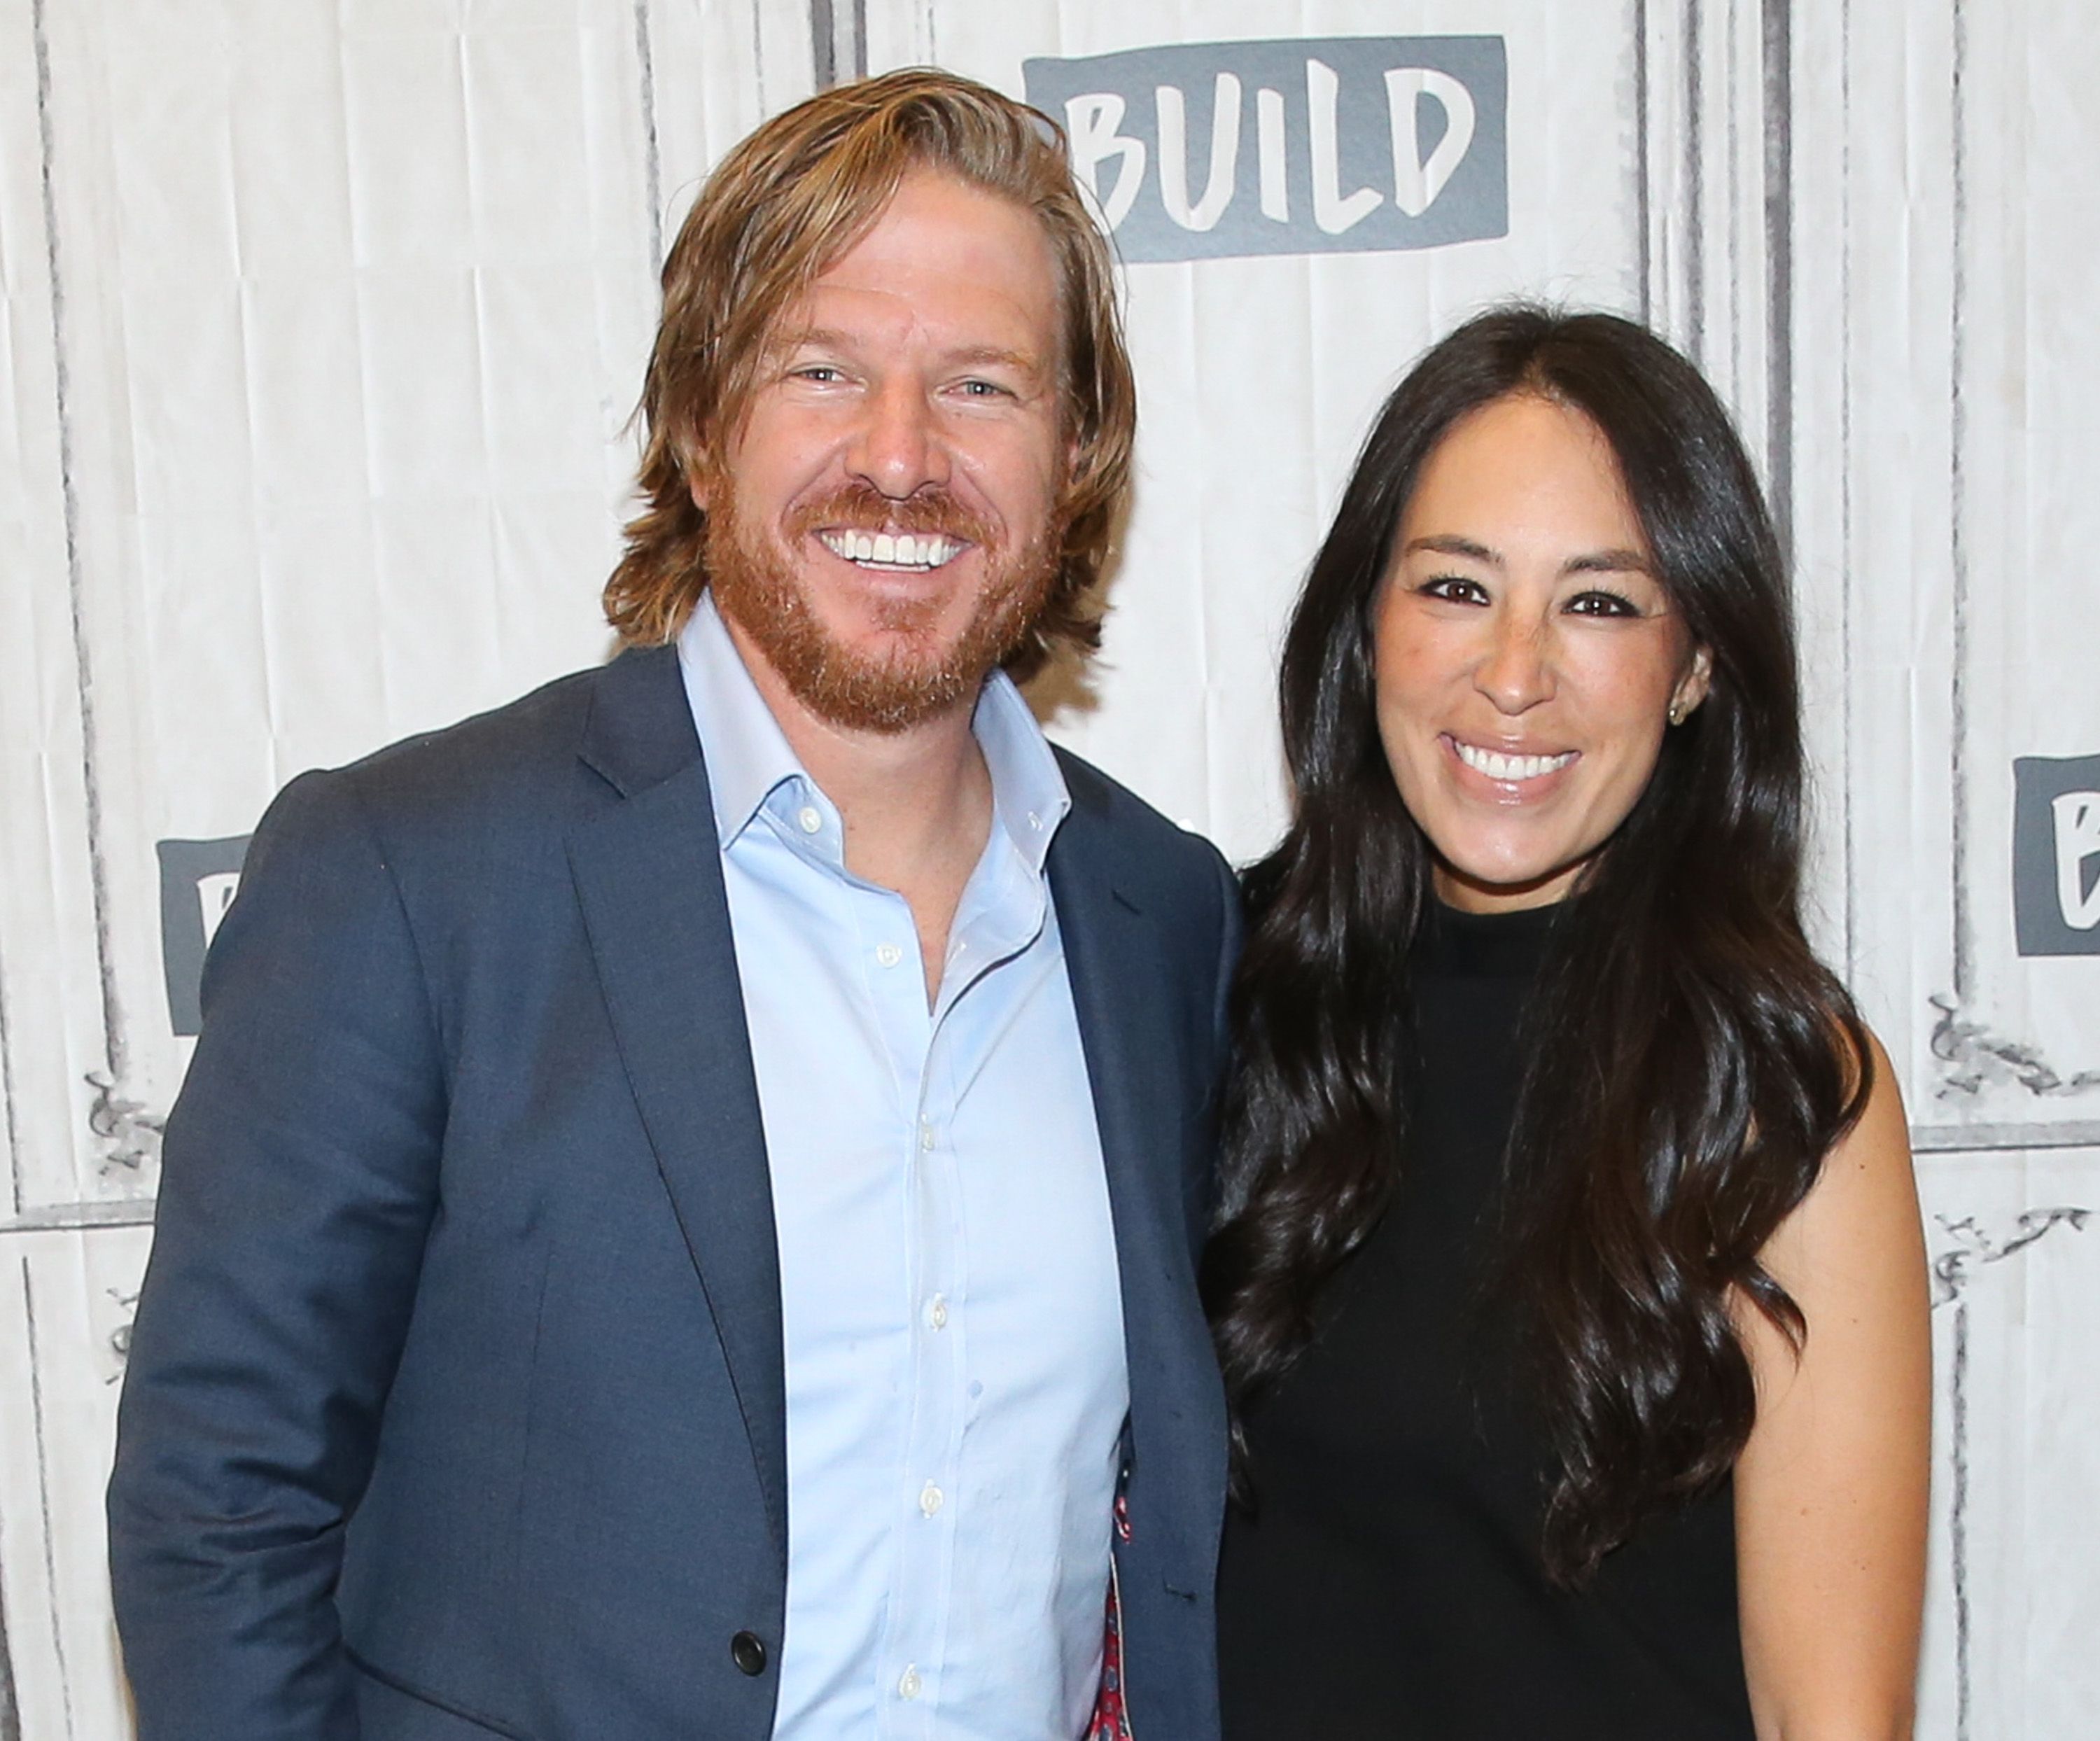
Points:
(906, 552)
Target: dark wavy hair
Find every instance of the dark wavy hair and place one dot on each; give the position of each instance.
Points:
(1702, 1062)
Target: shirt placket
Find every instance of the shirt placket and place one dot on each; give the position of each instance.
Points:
(934, 1282)
(1000, 910)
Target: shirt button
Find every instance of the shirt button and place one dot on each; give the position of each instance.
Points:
(936, 1313)
(926, 1136)
(908, 1684)
(889, 954)
(1035, 821)
(929, 1499)
(809, 818)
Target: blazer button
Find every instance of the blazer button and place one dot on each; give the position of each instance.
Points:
(747, 1650)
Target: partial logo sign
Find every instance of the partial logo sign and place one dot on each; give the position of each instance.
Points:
(2056, 855)
(198, 879)
(1325, 145)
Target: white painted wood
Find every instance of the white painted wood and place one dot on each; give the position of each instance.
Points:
(353, 304)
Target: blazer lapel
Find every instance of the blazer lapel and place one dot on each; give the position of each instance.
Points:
(1151, 1101)
(1126, 1031)
(648, 874)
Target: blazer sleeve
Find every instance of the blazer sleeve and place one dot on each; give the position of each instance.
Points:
(299, 1177)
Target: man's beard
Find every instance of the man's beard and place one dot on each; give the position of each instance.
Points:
(755, 587)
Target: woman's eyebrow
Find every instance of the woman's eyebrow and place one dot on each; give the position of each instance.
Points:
(1609, 563)
(1452, 544)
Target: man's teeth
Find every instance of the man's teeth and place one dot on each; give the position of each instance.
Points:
(892, 549)
(1497, 766)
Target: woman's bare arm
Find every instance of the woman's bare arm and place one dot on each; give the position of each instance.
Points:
(1831, 1490)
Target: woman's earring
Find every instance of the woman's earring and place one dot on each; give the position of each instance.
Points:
(1677, 711)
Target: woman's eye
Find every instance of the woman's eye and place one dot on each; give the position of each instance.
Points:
(982, 390)
(1456, 588)
(1598, 602)
(823, 373)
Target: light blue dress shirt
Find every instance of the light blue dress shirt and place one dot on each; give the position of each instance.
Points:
(950, 1299)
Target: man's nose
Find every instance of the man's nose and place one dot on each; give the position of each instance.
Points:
(1515, 671)
(899, 446)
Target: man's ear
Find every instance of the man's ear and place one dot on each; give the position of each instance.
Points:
(689, 446)
(1693, 686)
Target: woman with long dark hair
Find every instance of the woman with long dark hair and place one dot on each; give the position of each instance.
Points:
(1570, 1292)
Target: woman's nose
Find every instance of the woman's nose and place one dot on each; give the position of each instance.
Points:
(1515, 671)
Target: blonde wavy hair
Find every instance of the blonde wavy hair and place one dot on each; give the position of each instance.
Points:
(786, 204)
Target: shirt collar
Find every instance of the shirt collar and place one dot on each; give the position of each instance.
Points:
(1029, 795)
(748, 757)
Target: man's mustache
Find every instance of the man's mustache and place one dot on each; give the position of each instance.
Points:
(859, 507)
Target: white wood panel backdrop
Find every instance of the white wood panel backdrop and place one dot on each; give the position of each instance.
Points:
(320, 322)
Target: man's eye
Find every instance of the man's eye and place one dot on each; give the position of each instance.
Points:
(984, 390)
(817, 372)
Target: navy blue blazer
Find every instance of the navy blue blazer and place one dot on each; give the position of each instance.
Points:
(454, 1405)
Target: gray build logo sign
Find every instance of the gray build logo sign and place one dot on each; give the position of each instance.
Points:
(198, 879)
(1324, 145)
(2056, 855)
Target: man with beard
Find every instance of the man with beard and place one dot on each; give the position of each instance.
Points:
(682, 1218)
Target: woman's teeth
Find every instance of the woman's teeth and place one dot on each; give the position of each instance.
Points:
(892, 549)
(1497, 766)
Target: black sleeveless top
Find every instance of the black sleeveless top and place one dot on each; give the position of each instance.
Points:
(1386, 1581)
